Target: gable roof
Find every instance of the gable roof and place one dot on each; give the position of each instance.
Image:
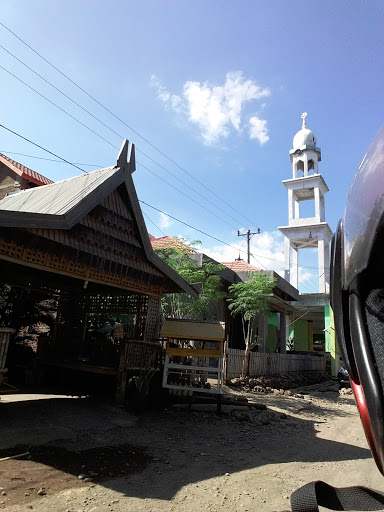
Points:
(59, 205)
(24, 171)
(63, 204)
(241, 266)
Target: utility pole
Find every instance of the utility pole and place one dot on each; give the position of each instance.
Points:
(248, 234)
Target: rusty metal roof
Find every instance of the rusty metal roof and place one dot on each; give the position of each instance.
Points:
(191, 330)
(24, 171)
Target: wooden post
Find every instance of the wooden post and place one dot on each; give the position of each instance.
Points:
(225, 361)
(310, 335)
(121, 378)
(83, 330)
(57, 319)
(5, 333)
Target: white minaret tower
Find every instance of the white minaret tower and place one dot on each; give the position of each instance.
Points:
(306, 185)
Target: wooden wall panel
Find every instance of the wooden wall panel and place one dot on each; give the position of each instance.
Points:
(115, 203)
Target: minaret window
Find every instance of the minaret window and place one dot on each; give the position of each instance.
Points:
(307, 209)
(300, 168)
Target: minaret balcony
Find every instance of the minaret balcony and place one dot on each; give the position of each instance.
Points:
(307, 182)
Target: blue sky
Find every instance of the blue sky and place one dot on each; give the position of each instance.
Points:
(216, 86)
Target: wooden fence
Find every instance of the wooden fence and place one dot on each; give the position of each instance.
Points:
(273, 364)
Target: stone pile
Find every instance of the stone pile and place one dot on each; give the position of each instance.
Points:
(279, 384)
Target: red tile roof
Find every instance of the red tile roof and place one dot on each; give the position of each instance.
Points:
(167, 242)
(24, 171)
(241, 266)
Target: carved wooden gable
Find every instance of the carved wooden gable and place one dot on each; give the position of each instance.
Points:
(95, 233)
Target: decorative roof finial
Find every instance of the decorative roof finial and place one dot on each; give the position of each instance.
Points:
(303, 116)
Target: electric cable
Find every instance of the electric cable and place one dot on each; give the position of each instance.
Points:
(123, 122)
(41, 147)
(116, 147)
(5, 151)
(151, 221)
(57, 106)
(104, 124)
(178, 220)
(113, 131)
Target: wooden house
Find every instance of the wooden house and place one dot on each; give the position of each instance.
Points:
(84, 241)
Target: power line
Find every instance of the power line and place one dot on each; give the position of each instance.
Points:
(97, 119)
(183, 193)
(123, 122)
(192, 227)
(143, 202)
(41, 147)
(172, 217)
(282, 268)
(59, 90)
(156, 226)
(116, 147)
(196, 229)
(5, 151)
(57, 106)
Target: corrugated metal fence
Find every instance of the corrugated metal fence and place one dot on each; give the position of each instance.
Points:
(273, 364)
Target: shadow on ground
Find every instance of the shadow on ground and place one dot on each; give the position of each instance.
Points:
(158, 453)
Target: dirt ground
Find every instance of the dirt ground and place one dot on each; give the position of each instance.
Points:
(178, 460)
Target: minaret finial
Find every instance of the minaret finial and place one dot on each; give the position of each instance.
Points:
(303, 116)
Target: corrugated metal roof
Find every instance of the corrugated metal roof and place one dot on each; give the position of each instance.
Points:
(22, 169)
(241, 266)
(57, 198)
(190, 330)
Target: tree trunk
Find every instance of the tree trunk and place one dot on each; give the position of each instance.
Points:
(246, 361)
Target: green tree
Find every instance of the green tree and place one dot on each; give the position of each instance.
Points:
(250, 299)
(181, 256)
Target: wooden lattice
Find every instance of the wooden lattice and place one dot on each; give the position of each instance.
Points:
(11, 249)
(152, 328)
(129, 304)
(35, 256)
(125, 277)
(56, 262)
(140, 353)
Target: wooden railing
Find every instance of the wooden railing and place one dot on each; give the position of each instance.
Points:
(273, 364)
(5, 333)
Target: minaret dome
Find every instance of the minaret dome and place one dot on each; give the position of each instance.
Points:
(304, 137)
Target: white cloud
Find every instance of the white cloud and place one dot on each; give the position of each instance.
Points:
(165, 221)
(217, 109)
(258, 129)
(305, 276)
(267, 251)
(171, 101)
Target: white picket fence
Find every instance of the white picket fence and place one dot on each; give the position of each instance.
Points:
(273, 364)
